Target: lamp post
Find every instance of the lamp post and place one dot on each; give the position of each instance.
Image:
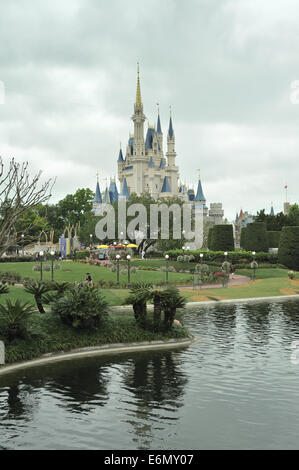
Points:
(23, 244)
(52, 265)
(129, 267)
(167, 266)
(201, 257)
(41, 254)
(117, 271)
(254, 264)
(183, 248)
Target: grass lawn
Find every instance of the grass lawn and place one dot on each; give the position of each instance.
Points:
(269, 282)
(267, 287)
(74, 272)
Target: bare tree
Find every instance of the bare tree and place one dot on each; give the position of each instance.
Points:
(18, 193)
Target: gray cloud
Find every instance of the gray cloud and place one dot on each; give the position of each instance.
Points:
(69, 69)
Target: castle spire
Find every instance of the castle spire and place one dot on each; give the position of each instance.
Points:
(138, 91)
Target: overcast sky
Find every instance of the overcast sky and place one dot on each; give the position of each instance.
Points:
(226, 67)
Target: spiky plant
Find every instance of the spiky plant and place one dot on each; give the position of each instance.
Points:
(3, 289)
(38, 289)
(140, 292)
(171, 300)
(15, 316)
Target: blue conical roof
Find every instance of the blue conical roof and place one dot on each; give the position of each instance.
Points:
(199, 195)
(98, 196)
(159, 130)
(166, 186)
(125, 191)
(113, 192)
(151, 163)
(149, 138)
(272, 211)
(170, 130)
(162, 163)
(106, 197)
(120, 156)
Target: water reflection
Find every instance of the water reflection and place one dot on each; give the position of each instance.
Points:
(238, 376)
(156, 385)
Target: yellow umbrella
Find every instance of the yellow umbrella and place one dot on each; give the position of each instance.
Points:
(103, 246)
(131, 245)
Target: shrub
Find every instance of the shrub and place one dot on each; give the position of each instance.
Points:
(14, 318)
(256, 237)
(82, 308)
(222, 238)
(273, 239)
(288, 252)
(243, 238)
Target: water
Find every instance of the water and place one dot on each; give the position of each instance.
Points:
(236, 388)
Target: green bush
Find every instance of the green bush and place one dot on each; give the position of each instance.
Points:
(14, 317)
(288, 252)
(273, 239)
(243, 238)
(222, 238)
(256, 237)
(82, 308)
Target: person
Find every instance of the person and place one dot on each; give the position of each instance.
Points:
(142, 254)
(233, 270)
(88, 279)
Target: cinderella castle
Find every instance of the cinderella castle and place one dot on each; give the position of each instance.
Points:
(145, 169)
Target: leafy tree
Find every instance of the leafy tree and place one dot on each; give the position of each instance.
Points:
(19, 192)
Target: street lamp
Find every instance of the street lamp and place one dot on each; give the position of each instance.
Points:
(129, 266)
(23, 244)
(52, 265)
(254, 264)
(167, 266)
(41, 254)
(117, 266)
(183, 248)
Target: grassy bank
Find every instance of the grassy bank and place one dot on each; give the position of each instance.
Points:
(47, 335)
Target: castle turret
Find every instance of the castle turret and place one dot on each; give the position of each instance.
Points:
(159, 133)
(171, 154)
(138, 119)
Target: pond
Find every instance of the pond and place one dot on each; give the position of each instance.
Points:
(235, 388)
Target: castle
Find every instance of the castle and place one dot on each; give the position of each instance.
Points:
(145, 169)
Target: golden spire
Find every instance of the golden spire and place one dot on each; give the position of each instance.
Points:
(138, 92)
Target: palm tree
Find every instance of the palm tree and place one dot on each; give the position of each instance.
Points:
(139, 294)
(38, 288)
(4, 289)
(15, 317)
(59, 289)
(171, 300)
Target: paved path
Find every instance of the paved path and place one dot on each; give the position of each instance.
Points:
(235, 280)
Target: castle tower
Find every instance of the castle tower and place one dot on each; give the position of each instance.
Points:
(138, 118)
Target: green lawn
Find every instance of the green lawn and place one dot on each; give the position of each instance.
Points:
(75, 272)
(270, 282)
(260, 288)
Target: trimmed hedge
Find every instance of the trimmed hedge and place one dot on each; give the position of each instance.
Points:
(243, 238)
(16, 259)
(222, 238)
(273, 239)
(233, 256)
(288, 252)
(256, 237)
(210, 237)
